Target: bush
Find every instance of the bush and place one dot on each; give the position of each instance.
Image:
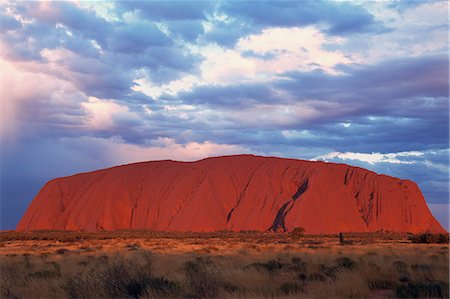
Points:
(62, 251)
(289, 288)
(270, 266)
(380, 284)
(429, 238)
(297, 232)
(121, 279)
(200, 282)
(345, 262)
(400, 266)
(44, 274)
(124, 282)
(433, 289)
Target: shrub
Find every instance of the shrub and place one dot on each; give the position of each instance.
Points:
(270, 266)
(297, 232)
(400, 266)
(160, 286)
(84, 285)
(44, 274)
(200, 282)
(380, 284)
(122, 281)
(62, 251)
(289, 288)
(317, 277)
(345, 262)
(429, 238)
(435, 289)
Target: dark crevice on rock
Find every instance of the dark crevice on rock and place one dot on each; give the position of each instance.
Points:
(300, 190)
(278, 222)
(131, 217)
(346, 176)
(279, 219)
(229, 215)
(242, 193)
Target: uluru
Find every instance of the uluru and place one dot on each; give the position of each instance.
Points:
(241, 192)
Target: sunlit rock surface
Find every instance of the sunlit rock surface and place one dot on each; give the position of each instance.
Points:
(241, 192)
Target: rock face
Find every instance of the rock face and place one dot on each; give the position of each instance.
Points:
(231, 193)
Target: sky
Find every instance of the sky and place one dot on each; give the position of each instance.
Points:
(88, 85)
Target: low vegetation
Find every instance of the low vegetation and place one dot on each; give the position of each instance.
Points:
(428, 238)
(241, 265)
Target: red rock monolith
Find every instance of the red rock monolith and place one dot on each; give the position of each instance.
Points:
(236, 193)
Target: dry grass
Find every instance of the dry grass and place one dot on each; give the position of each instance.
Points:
(219, 265)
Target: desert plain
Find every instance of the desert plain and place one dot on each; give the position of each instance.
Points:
(247, 264)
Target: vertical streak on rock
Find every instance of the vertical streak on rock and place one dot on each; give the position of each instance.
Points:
(282, 212)
(229, 214)
(243, 192)
(300, 190)
(63, 208)
(346, 178)
(131, 216)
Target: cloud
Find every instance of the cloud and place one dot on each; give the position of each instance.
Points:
(340, 17)
(372, 158)
(399, 105)
(137, 37)
(188, 30)
(9, 22)
(161, 11)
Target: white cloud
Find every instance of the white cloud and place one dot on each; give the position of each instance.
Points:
(438, 166)
(24, 88)
(287, 49)
(373, 158)
(420, 30)
(293, 49)
(114, 151)
(101, 113)
(297, 134)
